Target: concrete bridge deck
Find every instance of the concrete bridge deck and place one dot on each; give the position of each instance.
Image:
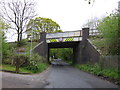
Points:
(64, 36)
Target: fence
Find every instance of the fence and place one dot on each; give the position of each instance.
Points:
(93, 32)
(110, 61)
(106, 61)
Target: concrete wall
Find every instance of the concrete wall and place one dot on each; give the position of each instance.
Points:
(42, 49)
(92, 55)
(85, 52)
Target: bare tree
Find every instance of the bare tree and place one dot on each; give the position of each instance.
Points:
(92, 23)
(18, 13)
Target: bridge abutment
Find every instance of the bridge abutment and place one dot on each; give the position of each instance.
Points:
(79, 52)
(42, 49)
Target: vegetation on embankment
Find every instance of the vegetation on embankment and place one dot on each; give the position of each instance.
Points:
(100, 45)
(107, 42)
(24, 62)
(109, 74)
(12, 68)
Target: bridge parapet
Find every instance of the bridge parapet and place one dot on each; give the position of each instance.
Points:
(64, 36)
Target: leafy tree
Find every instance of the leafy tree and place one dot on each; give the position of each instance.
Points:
(65, 54)
(40, 24)
(4, 46)
(109, 29)
(17, 13)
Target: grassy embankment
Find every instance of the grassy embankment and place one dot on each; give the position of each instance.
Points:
(42, 67)
(111, 74)
(95, 69)
(9, 67)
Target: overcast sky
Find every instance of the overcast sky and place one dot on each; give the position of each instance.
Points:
(72, 14)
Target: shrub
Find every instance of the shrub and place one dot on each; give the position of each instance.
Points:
(20, 60)
(22, 42)
(34, 62)
(96, 69)
(109, 29)
(67, 54)
(5, 50)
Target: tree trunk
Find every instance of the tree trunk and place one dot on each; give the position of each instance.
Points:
(17, 64)
(20, 36)
(18, 40)
(17, 68)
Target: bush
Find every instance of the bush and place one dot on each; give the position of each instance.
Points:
(34, 62)
(109, 29)
(96, 69)
(5, 50)
(7, 61)
(22, 42)
(67, 54)
(22, 60)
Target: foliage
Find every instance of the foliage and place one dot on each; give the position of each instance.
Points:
(43, 25)
(96, 69)
(40, 24)
(19, 60)
(100, 44)
(34, 62)
(4, 46)
(42, 67)
(23, 42)
(109, 29)
(23, 63)
(12, 68)
(65, 54)
(6, 50)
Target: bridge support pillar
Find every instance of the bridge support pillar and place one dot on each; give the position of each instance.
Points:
(79, 50)
(83, 48)
(76, 54)
(42, 49)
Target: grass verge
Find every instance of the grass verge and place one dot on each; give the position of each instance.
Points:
(111, 74)
(42, 67)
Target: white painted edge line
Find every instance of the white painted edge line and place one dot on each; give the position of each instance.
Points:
(94, 46)
(37, 45)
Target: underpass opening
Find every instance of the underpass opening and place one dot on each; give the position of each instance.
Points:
(61, 56)
(68, 45)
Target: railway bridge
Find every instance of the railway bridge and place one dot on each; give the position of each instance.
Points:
(83, 51)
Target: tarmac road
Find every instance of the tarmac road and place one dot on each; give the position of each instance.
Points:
(11, 80)
(69, 77)
(55, 77)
